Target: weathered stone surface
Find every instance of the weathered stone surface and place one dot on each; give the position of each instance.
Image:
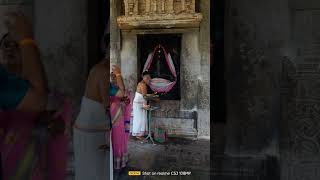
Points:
(163, 21)
(61, 31)
(129, 61)
(159, 14)
(146, 7)
(245, 168)
(256, 55)
(175, 155)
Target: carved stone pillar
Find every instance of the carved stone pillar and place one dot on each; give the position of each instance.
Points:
(183, 5)
(170, 7)
(154, 7)
(126, 7)
(135, 7)
(147, 6)
(130, 7)
(193, 6)
(162, 6)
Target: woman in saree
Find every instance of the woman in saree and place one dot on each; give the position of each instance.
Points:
(120, 110)
(35, 147)
(28, 132)
(22, 89)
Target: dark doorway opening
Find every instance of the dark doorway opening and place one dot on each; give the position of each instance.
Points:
(159, 67)
(98, 19)
(218, 99)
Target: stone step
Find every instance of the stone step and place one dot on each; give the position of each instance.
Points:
(183, 133)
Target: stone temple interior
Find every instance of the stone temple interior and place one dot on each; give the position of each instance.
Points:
(264, 91)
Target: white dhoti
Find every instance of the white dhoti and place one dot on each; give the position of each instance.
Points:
(92, 163)
(140, 120)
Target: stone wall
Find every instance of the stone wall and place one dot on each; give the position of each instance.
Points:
(61, 31)
(253, 58)
(272, 60)
(115, 38)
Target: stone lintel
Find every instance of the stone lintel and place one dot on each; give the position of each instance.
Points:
(160, 31)
(160, 21)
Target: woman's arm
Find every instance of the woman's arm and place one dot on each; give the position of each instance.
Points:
(120, 84)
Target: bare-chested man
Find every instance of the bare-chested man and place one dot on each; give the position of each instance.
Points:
(91, 126)
(140, 123)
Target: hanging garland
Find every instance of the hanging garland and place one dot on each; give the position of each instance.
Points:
(161, 85)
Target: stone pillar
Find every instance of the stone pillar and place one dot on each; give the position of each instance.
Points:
(154, 7)
(114, 32)
(204, 82)
(129, 61)
(170, 6)
(193, 6)
(135, 7)
(183, 5)
(190, 69)
(147, 6)
(162, 6)
(126, 7)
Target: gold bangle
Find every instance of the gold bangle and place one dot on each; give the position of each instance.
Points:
(27, 41)
(118, 75)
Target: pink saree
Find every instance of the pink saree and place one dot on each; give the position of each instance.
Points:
(19, 147)
(120, 115)
(58, 146)
(22, 152)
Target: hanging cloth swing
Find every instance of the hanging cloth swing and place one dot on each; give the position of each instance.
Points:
(161, 85)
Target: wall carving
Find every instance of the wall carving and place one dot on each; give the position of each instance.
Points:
(145, 7)
(142, 14)
(301, 103)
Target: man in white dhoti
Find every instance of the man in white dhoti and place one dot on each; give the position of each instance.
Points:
(92, 128)
(140, 119)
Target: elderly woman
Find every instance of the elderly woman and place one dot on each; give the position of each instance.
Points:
(120, 114)
(24, 88)
(32, 142)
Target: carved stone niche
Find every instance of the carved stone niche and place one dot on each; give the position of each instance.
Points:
(142, 14)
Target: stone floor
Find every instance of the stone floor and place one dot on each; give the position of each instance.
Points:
(177, 155)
